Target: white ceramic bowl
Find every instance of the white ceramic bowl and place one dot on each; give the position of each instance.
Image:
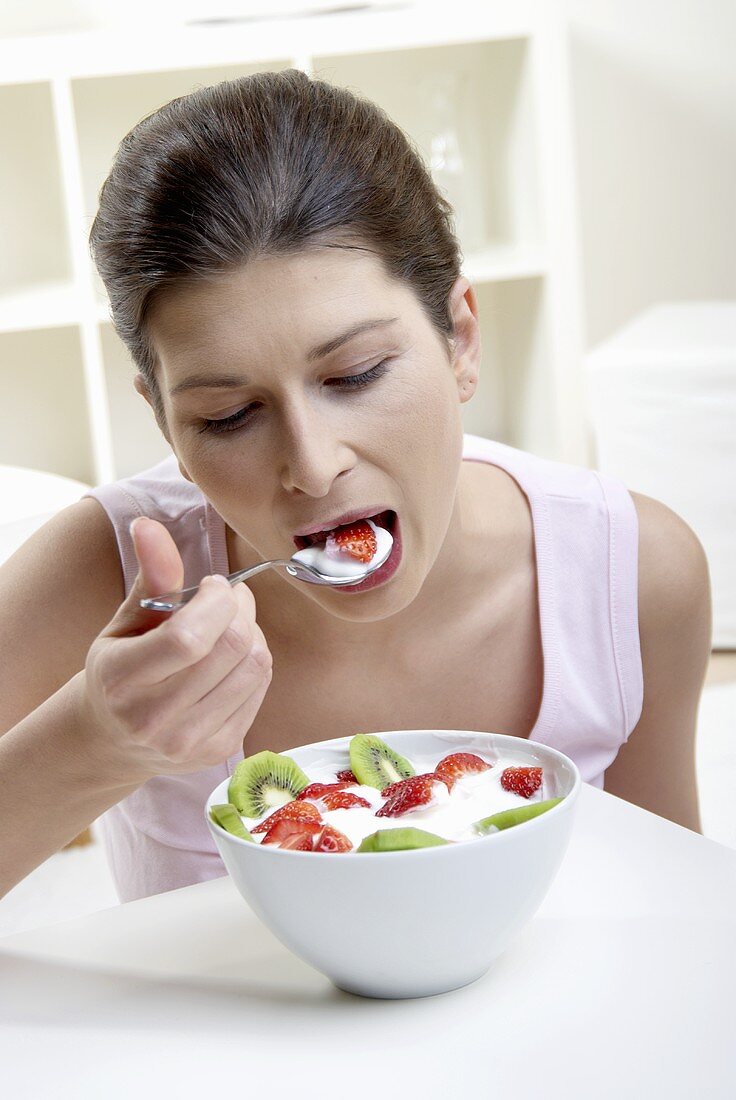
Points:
(409, 923)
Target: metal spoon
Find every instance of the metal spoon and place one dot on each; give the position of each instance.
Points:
(170, 601)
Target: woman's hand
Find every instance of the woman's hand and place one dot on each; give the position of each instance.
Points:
(175, 692)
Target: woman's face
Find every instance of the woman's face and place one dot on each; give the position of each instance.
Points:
(306, 386)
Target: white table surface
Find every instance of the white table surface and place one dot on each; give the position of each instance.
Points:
(623, 985)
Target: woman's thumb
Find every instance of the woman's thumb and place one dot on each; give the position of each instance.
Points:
(160, 570)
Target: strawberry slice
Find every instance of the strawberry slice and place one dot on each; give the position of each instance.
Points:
(523, 781)
(347, 776)
(292, 811)
(407, 794)
(356, 539)
(331, 840)
(387, 792)
(318, 790)
(453, 767)
(343, 800)
(287, 829)
(297, 842)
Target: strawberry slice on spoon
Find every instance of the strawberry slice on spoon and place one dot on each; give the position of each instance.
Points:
(356, 539)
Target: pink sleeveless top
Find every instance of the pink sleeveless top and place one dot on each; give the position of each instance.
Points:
(586, 545)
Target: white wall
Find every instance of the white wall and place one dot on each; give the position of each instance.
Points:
(654, 104)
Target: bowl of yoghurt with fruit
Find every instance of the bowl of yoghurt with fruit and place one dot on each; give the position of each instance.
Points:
(398, 864)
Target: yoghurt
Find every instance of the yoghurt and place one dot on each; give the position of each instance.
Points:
(343, 564)
(449, 814)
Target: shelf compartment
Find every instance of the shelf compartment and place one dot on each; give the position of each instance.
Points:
(482, 92)
(514, 401)
(43, 414)
(137, 441)
(504, 262)
(41, 306)
(35, 247)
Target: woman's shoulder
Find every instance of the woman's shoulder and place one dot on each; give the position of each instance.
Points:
(160, 492)
(57, 592)
(72, 560)
(656, 767)
(674, 580)
(537, 474)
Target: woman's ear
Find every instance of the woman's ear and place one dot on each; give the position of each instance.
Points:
(466, 338)
(141, 387)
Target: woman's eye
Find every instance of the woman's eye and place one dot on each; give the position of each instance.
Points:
(243, 416)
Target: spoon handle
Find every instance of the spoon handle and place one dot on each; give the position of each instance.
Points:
(170, 601)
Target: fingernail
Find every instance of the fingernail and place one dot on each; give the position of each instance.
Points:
(220, 579)
(133, 522)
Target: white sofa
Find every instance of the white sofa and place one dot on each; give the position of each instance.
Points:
(28, 498)
(662, 398)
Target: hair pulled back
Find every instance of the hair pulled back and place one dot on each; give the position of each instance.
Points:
(265, 164)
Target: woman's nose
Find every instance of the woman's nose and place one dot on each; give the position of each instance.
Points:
(312, 453)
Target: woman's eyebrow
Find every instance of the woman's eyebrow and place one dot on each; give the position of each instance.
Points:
(222, 381)
(331, 345)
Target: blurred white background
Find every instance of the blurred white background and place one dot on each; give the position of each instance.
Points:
(625, 203)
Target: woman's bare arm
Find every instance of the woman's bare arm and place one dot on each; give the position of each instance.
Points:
(100, 695)
(655, 769)
(57, 592)
(54, 781)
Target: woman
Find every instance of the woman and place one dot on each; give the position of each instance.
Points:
(286, 278)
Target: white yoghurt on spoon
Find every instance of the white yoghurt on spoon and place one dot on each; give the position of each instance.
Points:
(343, 564)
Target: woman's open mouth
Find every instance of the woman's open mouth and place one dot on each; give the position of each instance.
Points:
(386, 520)
(389, 521)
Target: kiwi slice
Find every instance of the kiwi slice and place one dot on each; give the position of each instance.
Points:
(399, 840)
(227, 817)
(506, 818)
(374, 764)
(264, 782)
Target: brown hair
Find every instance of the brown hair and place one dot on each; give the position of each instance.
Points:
(266, 164)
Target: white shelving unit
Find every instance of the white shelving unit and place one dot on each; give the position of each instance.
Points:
(66, 399)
